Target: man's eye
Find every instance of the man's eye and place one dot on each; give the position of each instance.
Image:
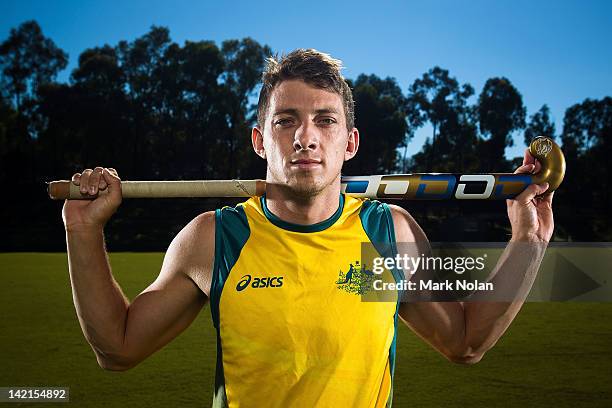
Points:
(283, 122)
(327, 121)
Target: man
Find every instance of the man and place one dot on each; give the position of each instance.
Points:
(286, 334)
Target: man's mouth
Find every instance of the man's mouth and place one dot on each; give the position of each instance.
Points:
(305, 163)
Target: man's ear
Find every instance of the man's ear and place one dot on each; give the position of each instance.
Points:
(352, 144)
(257, 141)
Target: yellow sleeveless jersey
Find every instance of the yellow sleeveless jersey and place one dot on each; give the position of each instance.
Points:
(292, 329)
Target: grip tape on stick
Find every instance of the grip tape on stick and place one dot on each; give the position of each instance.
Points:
(67, 190)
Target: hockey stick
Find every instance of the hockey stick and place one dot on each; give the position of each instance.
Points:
(416, 186)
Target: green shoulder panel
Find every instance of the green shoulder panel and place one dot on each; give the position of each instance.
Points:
(231, 233)
(377, 222)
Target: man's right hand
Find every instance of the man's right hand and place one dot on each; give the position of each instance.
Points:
(84, 215)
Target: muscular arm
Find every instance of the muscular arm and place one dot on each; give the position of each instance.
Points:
(463, 332)
(121, 333)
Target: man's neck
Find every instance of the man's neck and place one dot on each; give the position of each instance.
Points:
(303, 210)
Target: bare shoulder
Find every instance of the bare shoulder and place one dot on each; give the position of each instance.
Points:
(406, 227)
(192, 251)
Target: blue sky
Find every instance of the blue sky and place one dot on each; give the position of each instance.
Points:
(554, 52)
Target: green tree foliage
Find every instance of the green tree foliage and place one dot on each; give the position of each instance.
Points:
(99, 71)
(587, 126)
(500, 112)
(28, 60)
(443, 102)
(540, 124)
(85, 122)
(587, 144)
(15, 144)
(244, 63)
(177, 112)
(151, 108)
(380, 116)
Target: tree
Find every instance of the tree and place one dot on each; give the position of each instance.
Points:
(12, 140)
(587, 145)
(99, 70)
(170, 89)
(500, 112)
(244, 64)
(380, 117)
(540, 124)
(28, 60)
(141, 61)
(442, 101)
(587, 125)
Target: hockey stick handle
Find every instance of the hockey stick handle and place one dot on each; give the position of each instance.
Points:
(66, 190)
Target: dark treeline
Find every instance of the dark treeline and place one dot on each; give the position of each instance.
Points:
(154, 109)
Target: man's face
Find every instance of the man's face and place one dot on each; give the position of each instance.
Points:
(305, 139)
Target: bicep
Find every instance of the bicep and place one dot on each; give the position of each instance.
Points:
(171, 303)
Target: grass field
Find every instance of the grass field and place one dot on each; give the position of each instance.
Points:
(554, 354)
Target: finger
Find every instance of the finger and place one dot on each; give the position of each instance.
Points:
(110, 176)
(531, 192)
(112, 180)
(525, 168)
(76, 179)
(528, 158)
(538, 167)
(85, 180)
(94, 180)
(548, 197)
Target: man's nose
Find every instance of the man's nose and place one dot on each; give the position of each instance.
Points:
(306, 137)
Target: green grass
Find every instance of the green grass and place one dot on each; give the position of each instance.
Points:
(554, 354)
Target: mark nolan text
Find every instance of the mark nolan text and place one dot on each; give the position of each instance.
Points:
(432, 285)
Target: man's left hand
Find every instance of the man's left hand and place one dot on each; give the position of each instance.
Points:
(530, 214)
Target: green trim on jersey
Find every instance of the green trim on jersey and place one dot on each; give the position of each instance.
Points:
(323, 225)
(378, 224)
(231, 233)
(219, 394)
